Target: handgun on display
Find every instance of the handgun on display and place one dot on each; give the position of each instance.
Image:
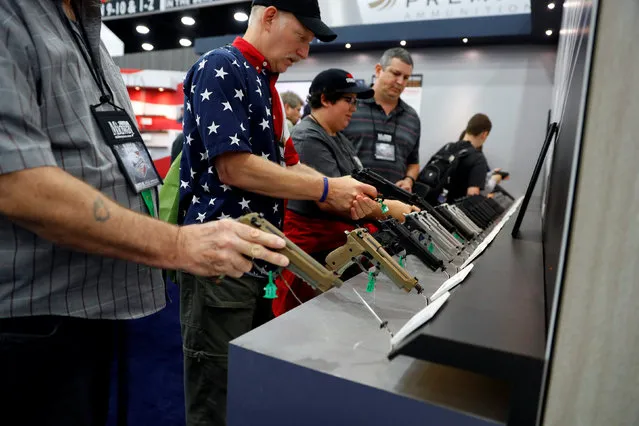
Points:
(464, 225)
(388, 189)
(360, 242)
(419, 224)
(396, 237)
(301, 264)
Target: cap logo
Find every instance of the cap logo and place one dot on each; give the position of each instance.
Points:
(350, 79)
(382, 4)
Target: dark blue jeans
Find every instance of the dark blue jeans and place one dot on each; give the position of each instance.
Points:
(211, 315)
(55, 371)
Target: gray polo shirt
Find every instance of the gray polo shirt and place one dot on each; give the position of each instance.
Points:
(332, 156)
(46, 89)
(403, 123)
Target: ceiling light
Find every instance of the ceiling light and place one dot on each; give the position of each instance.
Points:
(240, 16)
(347, 45)
(142, 29)
(464, 40)
(161, 89)
(187, 20)
(551, 6)
(402, 43)
(185, 42)
(549, 32)
(147, 46)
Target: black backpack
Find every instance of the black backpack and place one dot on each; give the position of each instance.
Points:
(437, 173)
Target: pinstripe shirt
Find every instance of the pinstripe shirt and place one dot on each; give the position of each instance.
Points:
(403, 123)
(46, 89)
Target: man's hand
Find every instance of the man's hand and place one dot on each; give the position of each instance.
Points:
(397, 209)
(343, 191)
(406, 184)
(224, 247)
(365, 207)
(473, 190)
(496, 178)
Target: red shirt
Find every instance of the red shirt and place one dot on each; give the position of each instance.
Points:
(256, 59)
(313, 236)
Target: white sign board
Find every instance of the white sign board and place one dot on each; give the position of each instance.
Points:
(385, 11)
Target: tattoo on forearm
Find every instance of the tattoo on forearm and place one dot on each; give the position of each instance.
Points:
(100, 211)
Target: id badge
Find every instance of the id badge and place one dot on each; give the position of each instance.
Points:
(384, 147)
(124, 139)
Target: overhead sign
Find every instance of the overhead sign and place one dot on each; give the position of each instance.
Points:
(177, 4)
(386, 11)
(113, 8)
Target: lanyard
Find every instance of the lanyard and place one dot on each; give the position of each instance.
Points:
(147, 196)
(395, 119)
(81, 41)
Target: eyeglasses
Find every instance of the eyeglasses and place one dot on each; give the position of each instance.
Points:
(352, 100)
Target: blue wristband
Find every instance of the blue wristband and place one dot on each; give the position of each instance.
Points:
(325, 193)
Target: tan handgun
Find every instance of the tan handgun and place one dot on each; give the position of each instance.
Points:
(360, 242)
(301, 264)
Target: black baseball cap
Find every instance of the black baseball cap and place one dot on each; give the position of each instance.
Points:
(307, 12)
(339, 81)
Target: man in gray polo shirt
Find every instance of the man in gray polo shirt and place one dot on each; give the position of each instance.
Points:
(385, 130)
(79, 251)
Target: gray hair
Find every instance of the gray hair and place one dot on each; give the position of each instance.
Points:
(396, 52)
(256, 13)
(291, 99)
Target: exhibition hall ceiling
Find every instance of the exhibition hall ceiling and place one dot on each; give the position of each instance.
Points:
(170, 24)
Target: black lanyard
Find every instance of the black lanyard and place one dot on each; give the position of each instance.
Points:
(82, 42)
(87, 54)
(395, 119)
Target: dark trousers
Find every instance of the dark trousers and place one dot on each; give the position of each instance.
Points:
(55, 371)
(212, 314)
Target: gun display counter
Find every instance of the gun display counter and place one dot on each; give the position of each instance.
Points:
(478, 361)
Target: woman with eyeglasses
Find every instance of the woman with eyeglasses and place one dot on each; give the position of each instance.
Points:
(320, 144)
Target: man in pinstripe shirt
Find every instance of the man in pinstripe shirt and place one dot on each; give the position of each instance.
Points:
(78, 248)
(385, 130)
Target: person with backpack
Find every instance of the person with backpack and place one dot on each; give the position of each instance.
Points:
(459, 168)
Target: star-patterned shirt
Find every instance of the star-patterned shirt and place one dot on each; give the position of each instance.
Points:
(230, 105)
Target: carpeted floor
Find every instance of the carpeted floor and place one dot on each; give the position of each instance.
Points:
(155, 386)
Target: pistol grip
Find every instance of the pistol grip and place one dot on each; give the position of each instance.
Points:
(341, 258)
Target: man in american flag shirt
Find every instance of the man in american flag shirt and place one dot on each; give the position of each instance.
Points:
(238, 158)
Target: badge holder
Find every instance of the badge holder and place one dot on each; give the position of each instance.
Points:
(384, 147)
(130, 151)
(384, 142)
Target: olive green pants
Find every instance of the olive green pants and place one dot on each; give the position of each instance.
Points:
(212, 313)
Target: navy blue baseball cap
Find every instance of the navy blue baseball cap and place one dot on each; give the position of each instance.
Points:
(307, 12)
